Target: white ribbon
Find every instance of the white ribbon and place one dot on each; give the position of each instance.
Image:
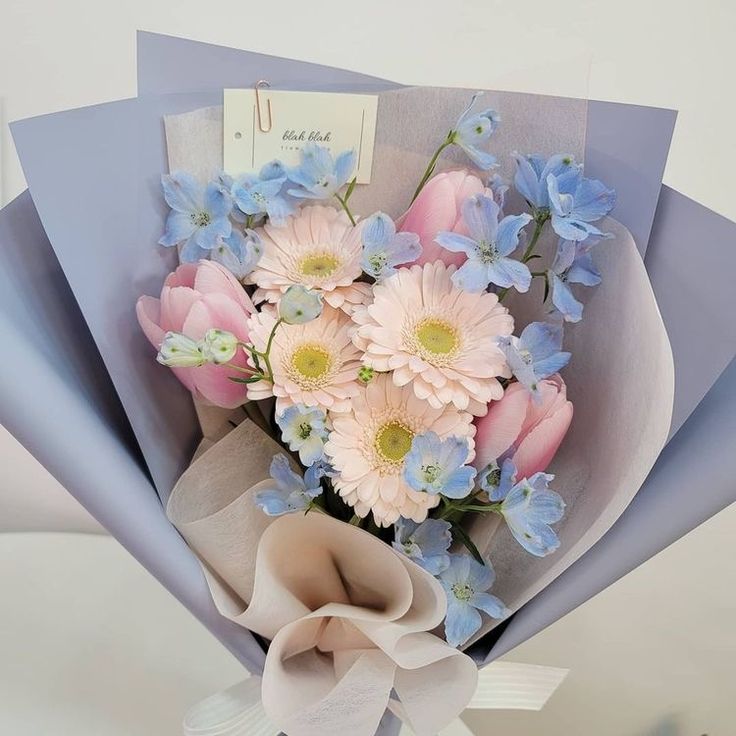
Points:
(238, 711)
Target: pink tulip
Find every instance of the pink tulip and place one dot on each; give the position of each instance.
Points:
(437, 209)
(195, 298)
(528, 432)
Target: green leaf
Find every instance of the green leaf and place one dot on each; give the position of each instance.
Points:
(252, 379)
(351, 186)
(460, 533)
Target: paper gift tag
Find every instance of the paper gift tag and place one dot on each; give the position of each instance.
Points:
(269, 124)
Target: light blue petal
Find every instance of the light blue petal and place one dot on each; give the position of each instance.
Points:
(459, 483)
(278, 209)
(344, 166)
(462, 621)
(507, 272)
(272, 170)
(457, 243)
(549, 366)
(472, 276)
(480, 215)
(570, 308)
(378, 230)
(433, 536)
(583, 271)
(480, 577)
(272, 502)
(509, 229)
(570, 229)
(305, 194)
(565, 256)
(191, 252)
(458, 570)
(404, 248)
(179, 227)
(207, 237)
(482, 159)
(527, 183)
(285, 477)
(557, 165)
(541, 339)
(489, 604)
(311, 451)
(474, 129)
(593, 200)
(182, 192)
(217, 201)
(455, 452)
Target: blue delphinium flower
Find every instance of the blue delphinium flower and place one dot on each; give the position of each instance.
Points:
(264, 194)
(473, 129)
(304, 430)
(318, 175)
(438, 466)
(384, 248)
(291, 492)
(576, 202)
(536, 354)
(300, 305)
(239, 253)
(488, 246)
(529, 508)
(497, 482)
(426, 543)
(466, 583)
(199, 215)
(573, 264)
(531, 175)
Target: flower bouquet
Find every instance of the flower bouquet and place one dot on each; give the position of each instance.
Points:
(385, 376)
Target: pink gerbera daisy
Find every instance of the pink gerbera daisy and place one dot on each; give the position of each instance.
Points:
(314, 364)
(435, 337)
(318, 248)
(368, 444)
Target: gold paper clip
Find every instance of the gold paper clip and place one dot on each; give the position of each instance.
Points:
(261, 84)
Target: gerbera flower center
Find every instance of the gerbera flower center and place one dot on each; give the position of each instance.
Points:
(393, 441)
(311, 361)
(463, 592)
(319, 265)
(437, 337)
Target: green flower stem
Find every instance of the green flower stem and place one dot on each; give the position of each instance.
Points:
(344, 202)
(453, 511)
(539, 222)
(249, 222)
(355, 520)
(432, 165)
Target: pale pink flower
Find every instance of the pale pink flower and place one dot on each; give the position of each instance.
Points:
(368, 444)
(529, 432)
(318, 248)
(435, 337)
(195, 298)
(314, 364)
(437, 209)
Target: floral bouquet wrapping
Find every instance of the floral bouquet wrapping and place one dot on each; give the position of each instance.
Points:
(418, 398)
(394, 408)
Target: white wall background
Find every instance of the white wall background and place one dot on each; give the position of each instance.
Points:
(92, 645)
